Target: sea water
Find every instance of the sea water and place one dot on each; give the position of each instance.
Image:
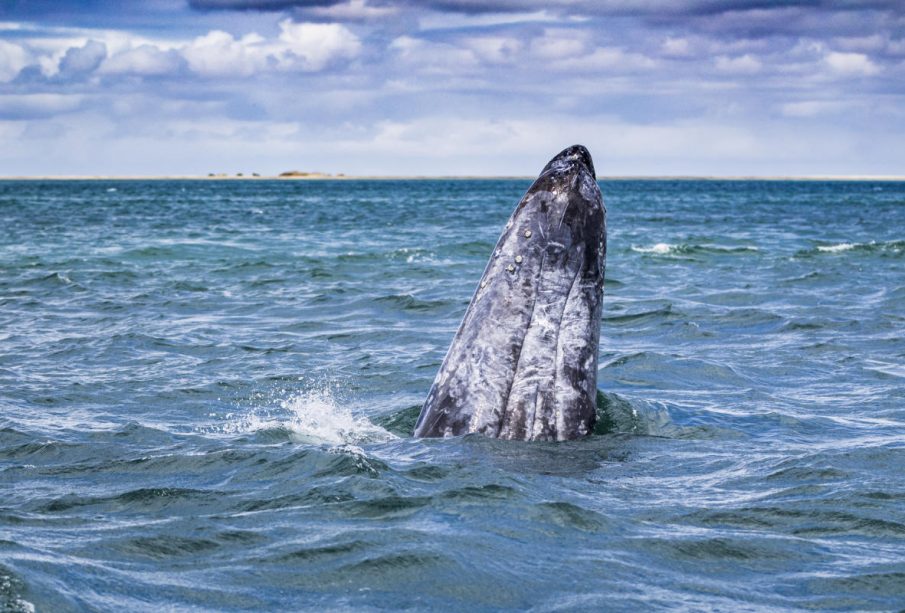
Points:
(207, 392)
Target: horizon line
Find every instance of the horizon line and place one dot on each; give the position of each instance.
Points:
(344, 177)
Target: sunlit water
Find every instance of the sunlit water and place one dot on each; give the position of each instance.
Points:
(207, 391)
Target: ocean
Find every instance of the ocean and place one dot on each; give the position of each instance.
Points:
(208, 388)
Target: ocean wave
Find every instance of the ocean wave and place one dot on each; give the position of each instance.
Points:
(659, 248)
(675, 249)
(836, 248)
(407, 302)
(887, 247)
(619, 415)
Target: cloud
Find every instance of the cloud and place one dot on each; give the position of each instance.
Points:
(435, 20)
(745, 64)
(353, 10)
(676, 47)
(144, 60)
(433, 58)
(258, 5)
(574, 50)
(31, 106)
(299, 46)
(850, 64)
(218, 53)
(812, 108)
(558, 45)
(13, 59)
(317, 44)
(81, 60)
(439, 85)
(495, 49)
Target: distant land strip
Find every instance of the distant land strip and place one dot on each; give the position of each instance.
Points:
(344, 177)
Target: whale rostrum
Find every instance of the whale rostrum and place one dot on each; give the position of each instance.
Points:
(523, 364)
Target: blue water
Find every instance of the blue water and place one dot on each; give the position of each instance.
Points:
(207, 390)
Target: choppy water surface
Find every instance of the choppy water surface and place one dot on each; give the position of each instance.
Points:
(207, 389)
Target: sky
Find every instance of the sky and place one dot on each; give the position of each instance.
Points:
(452, 87)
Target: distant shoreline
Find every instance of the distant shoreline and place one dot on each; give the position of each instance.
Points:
(883, 178)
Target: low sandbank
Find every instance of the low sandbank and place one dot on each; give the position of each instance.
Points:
(343, 177)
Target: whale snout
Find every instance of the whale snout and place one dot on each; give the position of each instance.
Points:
(574, 158)
(523, 364)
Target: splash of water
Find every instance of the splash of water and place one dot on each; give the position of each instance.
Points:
(314, 415)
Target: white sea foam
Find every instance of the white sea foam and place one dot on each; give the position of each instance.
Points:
(314, 415)
(837, 248)
(18, 604)
(659, 248)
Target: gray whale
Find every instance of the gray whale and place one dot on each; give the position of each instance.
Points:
(523, 364)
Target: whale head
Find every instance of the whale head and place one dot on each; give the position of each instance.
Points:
(523, 364)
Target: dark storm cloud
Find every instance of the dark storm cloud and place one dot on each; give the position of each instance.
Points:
(638, 8)
(818, 19)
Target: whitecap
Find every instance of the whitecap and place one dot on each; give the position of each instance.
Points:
(659, 248)
(837, 248)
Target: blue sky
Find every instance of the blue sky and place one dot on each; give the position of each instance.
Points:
(444, 87)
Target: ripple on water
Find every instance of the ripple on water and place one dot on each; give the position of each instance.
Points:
(139, 501)
(655, 370)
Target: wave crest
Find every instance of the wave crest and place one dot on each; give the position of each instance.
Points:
(678, 249)
(889, 247)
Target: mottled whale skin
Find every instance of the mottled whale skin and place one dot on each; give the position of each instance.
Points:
(523, 364)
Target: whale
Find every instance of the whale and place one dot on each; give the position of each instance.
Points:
(523, 363)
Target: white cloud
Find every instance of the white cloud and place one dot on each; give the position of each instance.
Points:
(144, 60)
(812, 108)
(567, 49)
(448, 21)
(606, 59)
(305, 47)
(556, 44)
(432, 58)
(13, 59)
(315, 44)
(217, 53)
(494, 49)
(299, 46)
(353, 10)
(850, 64)
(82, 60)
(745, 64)
(872, 43)
(555, 50)
(38, 105)
(469, 92)
(676, 47)
(437, 137)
